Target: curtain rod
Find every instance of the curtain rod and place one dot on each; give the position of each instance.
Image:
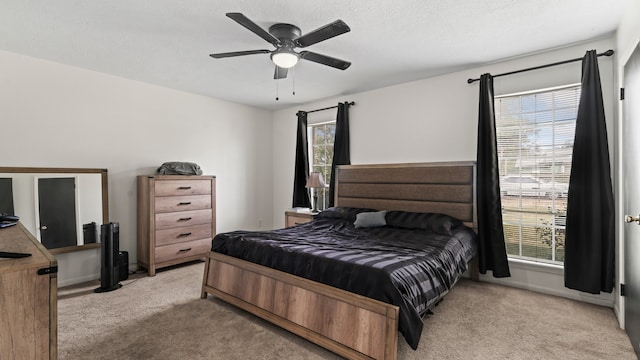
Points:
(327, 108)
(606, 53)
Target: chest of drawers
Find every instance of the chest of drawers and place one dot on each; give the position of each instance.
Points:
(176, 219)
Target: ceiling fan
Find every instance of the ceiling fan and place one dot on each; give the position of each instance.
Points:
(287, 37)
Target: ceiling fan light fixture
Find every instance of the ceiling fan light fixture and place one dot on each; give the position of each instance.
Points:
(284, 58)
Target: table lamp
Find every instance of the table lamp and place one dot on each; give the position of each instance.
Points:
(315, 182)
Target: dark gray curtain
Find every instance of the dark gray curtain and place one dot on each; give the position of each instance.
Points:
(341, 153)
(492, 254)
(589, 241)
(301, 196)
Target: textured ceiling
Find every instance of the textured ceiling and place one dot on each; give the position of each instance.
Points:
(167, 42)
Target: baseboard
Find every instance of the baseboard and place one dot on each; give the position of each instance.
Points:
(90, 277)
(619, 315)
(78, 280)
(545, 279)
(569, 294)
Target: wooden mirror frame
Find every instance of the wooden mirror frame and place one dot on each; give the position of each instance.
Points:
(105, 196)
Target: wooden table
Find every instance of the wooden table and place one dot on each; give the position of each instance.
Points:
(28, 298)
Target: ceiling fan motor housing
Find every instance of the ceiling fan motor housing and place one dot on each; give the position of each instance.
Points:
(285, 32)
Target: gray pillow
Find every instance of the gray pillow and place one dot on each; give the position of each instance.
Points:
(370, 219)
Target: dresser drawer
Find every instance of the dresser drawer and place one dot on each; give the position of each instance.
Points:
(182, 218)
(182, 203)
(182, 187)
(182, 250)
(295, 220)
(182, 234)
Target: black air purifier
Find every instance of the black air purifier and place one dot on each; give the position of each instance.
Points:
(122, 265)
(90, 233)
(109, 269)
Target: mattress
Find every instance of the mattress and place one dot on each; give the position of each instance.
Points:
(412, 261)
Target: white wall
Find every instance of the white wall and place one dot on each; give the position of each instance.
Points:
(628, 32)
(59, 116)
(436, 120)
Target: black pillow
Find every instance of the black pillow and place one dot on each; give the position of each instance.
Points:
(438, 223)
(342, 212)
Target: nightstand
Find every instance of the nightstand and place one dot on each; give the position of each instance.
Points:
(292, 217)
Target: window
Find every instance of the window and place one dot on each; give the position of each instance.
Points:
(321, 138)
(535, 133)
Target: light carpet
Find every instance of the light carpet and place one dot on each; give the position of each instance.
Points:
(163, 317)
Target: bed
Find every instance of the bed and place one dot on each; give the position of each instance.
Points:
(359, 323)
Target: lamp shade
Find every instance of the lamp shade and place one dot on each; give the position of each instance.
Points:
(284, 58)
(315, 180)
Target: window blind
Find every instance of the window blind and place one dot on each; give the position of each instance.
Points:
(535, 133)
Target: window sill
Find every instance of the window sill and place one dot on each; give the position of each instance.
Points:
(536, 266)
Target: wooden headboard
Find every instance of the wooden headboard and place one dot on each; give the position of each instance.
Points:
(440, 187)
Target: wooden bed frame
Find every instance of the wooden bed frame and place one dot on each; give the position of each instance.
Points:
(348, 324)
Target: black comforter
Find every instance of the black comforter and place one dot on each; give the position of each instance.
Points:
(408, 267)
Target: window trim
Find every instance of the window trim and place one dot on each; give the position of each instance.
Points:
(310, 145)
(552, 263)
(536, 91)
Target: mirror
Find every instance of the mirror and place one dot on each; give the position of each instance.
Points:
(62, 207)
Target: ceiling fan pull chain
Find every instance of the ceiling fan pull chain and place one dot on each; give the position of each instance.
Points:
(277, 98)
(294, 80)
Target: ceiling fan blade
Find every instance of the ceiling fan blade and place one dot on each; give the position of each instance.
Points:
(254, 28)
(325, 60)
(280, 73)
(328, 31)
(239, 53)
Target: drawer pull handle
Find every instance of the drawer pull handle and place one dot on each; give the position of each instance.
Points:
(184, 188)
(184, 234)
(184, 219)
(184, 250)
(185, 203)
